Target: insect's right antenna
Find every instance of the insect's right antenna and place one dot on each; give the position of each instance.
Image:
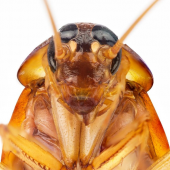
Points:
(113, 51)
(57, 40)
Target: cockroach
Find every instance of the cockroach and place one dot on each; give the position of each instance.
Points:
(85, 106)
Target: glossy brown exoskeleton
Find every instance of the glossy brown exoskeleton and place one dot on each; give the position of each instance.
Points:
(85, 106)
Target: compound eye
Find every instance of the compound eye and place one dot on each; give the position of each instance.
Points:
(116, 63)
(104, 35)
(68, 32)
(51, 56)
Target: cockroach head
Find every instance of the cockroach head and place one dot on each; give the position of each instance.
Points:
(83, 72)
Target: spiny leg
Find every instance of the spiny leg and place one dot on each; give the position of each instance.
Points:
(113, 156)
(28, 151)
(17, 164)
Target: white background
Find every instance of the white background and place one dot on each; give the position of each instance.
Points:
(25, 24)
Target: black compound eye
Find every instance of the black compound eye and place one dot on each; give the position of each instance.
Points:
(68, 32)
(104, 35)
(116, 63)
(51, 56)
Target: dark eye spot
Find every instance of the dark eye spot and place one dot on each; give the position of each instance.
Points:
(68, 32)
(51, 56)
(104, 35)
(116, 63)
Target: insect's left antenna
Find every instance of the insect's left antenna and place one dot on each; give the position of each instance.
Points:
(113, 51)
(57, 40)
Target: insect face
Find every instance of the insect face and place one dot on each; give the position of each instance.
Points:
(84, 72)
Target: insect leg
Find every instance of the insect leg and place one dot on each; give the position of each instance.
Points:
(113, 156)
(27, 151)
